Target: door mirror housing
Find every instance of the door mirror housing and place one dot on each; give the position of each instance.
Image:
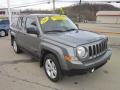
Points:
(33, 23)
(32, 31)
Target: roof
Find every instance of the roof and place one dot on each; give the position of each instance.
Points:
(39, 15)
(108, 13)
(43, 14)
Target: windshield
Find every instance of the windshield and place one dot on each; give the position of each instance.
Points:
(4, 22)
(57, 24)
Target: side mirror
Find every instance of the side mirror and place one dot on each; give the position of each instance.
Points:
(32, 31)
(33, 23)
(77, 25)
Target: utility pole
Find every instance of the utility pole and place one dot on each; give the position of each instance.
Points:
(79, 9)
(53, 6)
(9, 11)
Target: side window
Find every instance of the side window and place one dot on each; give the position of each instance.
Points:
(23, 20)
(31, 23)
(14, 22)
(19, 23)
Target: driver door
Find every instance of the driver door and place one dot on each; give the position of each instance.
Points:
(32, 41)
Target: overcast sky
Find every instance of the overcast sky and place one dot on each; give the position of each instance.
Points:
(14, 3)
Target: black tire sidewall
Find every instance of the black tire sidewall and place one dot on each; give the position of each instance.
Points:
(18, 48)
(55, 60)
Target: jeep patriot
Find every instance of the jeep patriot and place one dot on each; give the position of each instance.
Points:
(59, 45)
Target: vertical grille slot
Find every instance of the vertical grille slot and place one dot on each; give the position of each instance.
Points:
(94, 50)
(90, 51)
(97, 48)
(100, 47)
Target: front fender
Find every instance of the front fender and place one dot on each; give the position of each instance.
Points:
(58, 51)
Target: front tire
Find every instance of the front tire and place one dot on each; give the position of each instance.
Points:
(52, 68)
(16, 48)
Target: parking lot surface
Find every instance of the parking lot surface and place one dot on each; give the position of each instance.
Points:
(107, 28)
(21, 72)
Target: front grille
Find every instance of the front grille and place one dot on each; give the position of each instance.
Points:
(97, 49)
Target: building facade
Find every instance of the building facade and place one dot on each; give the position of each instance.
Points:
(4, 13)
(108, 17)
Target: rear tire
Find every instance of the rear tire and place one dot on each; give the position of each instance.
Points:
(16, 48)
(6, 34)
(52, 68)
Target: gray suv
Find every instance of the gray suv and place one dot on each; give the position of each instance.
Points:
(59, 45)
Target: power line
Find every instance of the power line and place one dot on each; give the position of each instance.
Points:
(90, 1)
(70, 1)
(30, 4)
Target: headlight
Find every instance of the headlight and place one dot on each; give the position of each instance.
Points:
(82, 52)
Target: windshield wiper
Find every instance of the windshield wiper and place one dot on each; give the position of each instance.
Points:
(54, 31)
(73, 29)
(61, 30)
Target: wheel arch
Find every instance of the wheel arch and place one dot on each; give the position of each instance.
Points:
(58, 51)
(44, 52)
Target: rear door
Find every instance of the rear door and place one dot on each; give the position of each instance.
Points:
(17, 30)
(32, 41)
(21, 33)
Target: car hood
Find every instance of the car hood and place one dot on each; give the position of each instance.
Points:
(75, 38)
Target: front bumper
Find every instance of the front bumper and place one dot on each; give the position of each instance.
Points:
(74, 69)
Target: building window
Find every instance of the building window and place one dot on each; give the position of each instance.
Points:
(2, 12)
